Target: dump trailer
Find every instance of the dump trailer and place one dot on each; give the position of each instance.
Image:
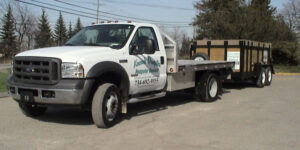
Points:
(253, 60)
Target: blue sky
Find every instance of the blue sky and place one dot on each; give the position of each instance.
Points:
(166, 15)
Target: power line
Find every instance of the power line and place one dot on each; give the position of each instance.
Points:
(72, 9)
(77, 14)
(143, 19)
(149, 5)
(57, 9)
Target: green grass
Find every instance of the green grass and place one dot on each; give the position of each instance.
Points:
(285, 68)
(3, 76)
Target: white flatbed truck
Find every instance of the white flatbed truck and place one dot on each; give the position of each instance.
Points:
(106, 66)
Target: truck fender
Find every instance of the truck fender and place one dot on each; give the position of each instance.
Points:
(111, 67)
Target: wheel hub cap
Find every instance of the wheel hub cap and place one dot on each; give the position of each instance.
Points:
(269, 76)
(213, 87)
(111, 106)
(263, 78)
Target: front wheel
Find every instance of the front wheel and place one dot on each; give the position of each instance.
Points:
(106, 105)
(32, 110)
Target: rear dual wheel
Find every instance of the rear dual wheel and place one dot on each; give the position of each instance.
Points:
(261, 79)
(208, 88)
(265, 77)
(269, 76)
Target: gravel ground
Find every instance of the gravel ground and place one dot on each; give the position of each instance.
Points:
(245, 118)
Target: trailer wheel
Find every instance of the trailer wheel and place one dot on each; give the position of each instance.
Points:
(261, 79)
(208, 88)
(269, 76)
(200, 57)
(106, 105)
(30, 110)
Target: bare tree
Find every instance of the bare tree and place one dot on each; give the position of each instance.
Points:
(25, 26)
(291, 13)
(176, 33)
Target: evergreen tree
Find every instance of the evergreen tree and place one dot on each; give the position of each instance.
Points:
(60, 32)
(262, 20)
(219, 19)
(43, 36)
(7, 35)
(70, 31)
(78, 26)
(254, 20)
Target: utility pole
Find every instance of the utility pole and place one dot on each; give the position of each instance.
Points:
(97, 21)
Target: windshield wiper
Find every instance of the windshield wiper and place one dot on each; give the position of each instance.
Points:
(69, 44)
(92, 44)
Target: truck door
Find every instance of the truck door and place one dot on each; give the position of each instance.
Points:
(147, 71)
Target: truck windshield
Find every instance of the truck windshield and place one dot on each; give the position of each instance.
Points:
(114, 36)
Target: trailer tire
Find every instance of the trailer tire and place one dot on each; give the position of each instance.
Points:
(269, 76)
(200, 57)
(106, 105)
(30, 110)
(261, 79)
(208, 88)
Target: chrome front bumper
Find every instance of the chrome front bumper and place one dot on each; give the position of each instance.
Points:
(67, 92)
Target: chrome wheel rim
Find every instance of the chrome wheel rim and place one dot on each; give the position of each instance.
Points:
(269, 75)
(263, 78)
(213, 87)
(199, 59)
(111, 106)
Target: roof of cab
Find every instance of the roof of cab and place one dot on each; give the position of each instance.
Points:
(126, 23)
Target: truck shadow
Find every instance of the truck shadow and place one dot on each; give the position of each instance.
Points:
(147, 107)
(69, 116)
(227, 87)
(74, 116)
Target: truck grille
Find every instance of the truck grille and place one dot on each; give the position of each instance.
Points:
(36, 70)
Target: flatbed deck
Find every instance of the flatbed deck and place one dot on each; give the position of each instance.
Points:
(192, 65)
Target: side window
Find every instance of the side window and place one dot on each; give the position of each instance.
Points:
(141, 36)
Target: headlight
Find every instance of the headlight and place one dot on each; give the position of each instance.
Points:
(72, 70)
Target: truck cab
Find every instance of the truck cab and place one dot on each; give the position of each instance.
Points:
(106, 66)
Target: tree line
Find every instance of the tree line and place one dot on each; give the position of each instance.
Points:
(215, 19)
(23, 32)
(254, 20)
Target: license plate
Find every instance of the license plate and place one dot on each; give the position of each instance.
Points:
(27, 96)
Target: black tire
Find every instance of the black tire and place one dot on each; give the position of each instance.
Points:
(261, 79)
(200, 57)
(208, 88)
(32, 110)
(106, 93)
(269, 76)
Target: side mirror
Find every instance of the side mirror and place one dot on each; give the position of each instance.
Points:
(133, 49)
(149, 47)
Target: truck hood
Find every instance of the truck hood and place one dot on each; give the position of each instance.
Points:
(67, 53)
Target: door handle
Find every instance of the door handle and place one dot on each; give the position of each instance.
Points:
(162, 60)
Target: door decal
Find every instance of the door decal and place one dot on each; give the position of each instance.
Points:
(147, 70)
